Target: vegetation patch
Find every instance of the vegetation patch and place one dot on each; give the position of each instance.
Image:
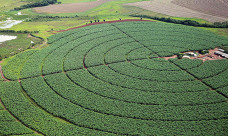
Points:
(110, 79)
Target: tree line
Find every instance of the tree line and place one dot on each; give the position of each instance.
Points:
(185, 22)
(13, 31)
(37, 4)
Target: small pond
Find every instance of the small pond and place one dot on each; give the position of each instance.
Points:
(4, 38)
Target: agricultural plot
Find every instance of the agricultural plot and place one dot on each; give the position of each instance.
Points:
(210, 10)
(111, 79)
(71, 7)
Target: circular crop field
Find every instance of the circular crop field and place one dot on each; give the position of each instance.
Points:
(112, 79)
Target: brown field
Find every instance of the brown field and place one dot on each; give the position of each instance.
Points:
(212, 7)
(69, 8)
(210, 10)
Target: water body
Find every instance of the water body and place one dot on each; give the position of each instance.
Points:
(4, 38)
(9, 23)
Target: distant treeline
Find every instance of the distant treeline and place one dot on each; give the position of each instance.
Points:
(13, 31)
(37, 4)
(40, 18)
(185, 22)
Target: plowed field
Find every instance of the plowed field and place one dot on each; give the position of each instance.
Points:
(210, 10)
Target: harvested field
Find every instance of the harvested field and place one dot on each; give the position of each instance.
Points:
(211, 7)
(70, 8)
(170, 7)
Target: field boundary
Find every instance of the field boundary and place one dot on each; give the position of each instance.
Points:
(105, 22)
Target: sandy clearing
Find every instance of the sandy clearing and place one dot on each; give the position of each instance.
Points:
(169, 8)
(70, 8)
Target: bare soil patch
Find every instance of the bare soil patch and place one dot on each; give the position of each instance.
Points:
(209, 56)
(212, 7)
(96, 23)
(170, 7)
(70, 8)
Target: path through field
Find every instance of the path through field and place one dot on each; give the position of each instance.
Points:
(70, 8)
(203, 9)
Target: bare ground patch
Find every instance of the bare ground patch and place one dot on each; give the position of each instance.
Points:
(170, 8)
(210, 56)
(70, 8)
(212, 7)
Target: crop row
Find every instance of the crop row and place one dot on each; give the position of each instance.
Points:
(156, 26)
(187, 63)
(9, 125)
(44, 96)
(223, 90)
(79, 32)
(43, 122)
(209, 68)
(33, 66)
(13, 68)
(158, 64)
(104, 89)
(105, 74)
(35, 117)
(64, 54)
(217, 81)
(133, 71)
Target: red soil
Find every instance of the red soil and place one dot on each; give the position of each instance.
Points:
(96, 23)
(209, 56)
(166, 58)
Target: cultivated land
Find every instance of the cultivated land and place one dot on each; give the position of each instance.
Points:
(117, 76)
(213, 11)
(70, 8)
(111, 79)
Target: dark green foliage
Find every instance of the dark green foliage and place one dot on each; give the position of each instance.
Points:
(13, 128)
(185, 22)
(187, 63)
(5, 116)
(36, 4)
(209, 69)
(223, 91)
(218, 81)
(180, 55)
(203, 51)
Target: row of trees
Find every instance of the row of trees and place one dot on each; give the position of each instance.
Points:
(185, 22)
(13, 31)
(37, 4)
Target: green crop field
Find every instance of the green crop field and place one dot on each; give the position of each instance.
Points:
(111, 79)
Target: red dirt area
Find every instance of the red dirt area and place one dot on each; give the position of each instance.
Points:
(70, 8)
(209, 56)
(96, 23)
(212, 7)
(166, 58)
